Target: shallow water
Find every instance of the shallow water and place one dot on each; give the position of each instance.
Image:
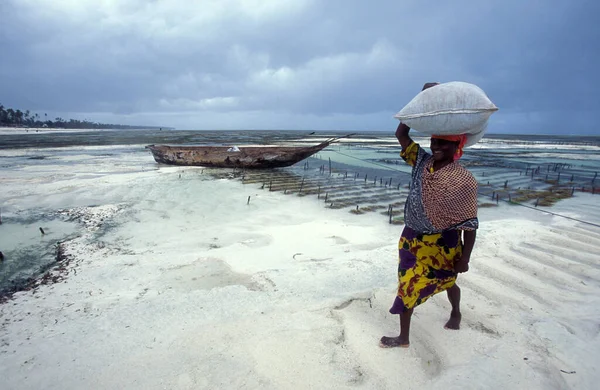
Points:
(60, 182)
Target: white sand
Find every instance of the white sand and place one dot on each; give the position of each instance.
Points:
(194, 289)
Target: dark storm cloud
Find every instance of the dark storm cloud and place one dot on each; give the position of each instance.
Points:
(298, 64)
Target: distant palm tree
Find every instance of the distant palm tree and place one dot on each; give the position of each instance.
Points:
(10, 116)
(19, 117)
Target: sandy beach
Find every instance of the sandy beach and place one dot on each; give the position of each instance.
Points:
(173, 281)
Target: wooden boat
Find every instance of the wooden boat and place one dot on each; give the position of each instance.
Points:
(251, 157)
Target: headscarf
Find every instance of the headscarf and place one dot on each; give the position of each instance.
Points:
(461, 139)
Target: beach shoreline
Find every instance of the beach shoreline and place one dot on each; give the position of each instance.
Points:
(51, 130)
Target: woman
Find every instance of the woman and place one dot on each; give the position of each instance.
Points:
(440, 218)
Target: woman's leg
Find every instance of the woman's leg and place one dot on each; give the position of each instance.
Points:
(403, 339)
(455, 316)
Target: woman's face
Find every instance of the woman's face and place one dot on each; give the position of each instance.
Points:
(443, 150)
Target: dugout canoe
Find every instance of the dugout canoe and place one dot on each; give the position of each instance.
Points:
(248, 157)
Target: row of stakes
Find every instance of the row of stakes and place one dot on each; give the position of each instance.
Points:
(555, 168)
(388, 183)
(496, 196)
(537, 171)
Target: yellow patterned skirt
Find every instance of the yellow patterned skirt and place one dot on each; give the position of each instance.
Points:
(426, 266)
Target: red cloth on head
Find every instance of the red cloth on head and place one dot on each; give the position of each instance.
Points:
(461, 139)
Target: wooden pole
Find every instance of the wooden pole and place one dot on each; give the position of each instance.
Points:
(248, 200)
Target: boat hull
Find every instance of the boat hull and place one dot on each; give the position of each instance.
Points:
(252, 157)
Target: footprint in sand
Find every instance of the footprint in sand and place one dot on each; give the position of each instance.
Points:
(256, 241)
(338, 240)
(206, 274)
(481, 327)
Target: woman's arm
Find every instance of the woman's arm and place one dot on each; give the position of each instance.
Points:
(469, 237)
(402, 135)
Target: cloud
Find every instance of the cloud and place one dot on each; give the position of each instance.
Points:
(296, 64)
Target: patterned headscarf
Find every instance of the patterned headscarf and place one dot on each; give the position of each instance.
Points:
(461, 139)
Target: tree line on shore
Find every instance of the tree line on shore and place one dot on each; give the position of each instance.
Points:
(10, 117)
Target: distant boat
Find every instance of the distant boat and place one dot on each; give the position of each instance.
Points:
(250, 157)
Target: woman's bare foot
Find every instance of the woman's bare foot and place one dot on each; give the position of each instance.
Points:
(391, 342)
(454, 321)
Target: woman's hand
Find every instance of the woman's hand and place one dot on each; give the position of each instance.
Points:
(429, 85)
(402, 135)
(461, 265)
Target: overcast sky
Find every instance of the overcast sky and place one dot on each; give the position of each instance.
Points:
(299, 64)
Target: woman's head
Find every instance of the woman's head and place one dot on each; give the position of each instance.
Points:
(447, 147)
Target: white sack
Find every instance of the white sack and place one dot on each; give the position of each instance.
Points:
(448, 109)
(476, 136)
